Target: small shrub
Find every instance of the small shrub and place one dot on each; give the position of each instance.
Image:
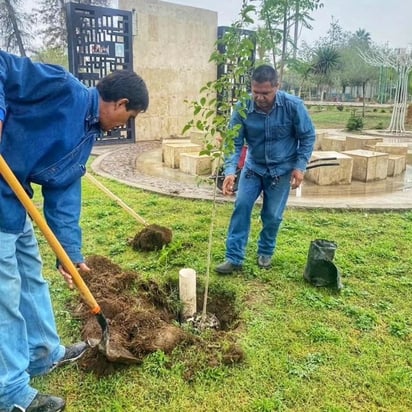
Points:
(375, 109)
(340, 107)
(383, 111)
(354, 122)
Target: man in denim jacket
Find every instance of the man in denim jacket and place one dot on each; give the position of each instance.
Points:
(48, 124)
(280, 137)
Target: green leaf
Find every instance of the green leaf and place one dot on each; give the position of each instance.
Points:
(186, 128)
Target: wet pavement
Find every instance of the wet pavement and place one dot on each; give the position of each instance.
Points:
(140, 165)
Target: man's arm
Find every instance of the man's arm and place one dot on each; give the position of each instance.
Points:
(62, 212)
(305, 133)
(232, 159)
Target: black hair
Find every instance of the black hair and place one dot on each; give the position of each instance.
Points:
(265, 73)
(123, 84)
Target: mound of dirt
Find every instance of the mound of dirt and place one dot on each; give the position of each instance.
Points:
(152, 237)
(140, 320)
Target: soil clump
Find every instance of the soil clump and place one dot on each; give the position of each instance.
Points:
(151, 238)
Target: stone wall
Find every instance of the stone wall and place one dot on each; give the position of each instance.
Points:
(171, 48)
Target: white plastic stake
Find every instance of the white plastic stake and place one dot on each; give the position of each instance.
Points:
(187, 291)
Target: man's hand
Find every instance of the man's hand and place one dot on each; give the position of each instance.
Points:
(1, 129)
(296, 178)
(82, 267)
(229, 185)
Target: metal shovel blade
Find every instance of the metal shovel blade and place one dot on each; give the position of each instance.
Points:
(113, 353)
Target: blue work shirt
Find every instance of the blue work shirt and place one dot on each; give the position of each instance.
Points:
(51, 123)
(278, 142)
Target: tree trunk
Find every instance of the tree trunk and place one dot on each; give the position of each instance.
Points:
(296, 31)
(364, 98)
(284, 42)
(269, 26)
(12, 15)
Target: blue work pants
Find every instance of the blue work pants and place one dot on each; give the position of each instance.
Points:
(275, 195)
(29, 343)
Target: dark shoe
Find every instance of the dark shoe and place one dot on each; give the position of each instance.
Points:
(44, 403)
(227, 268)
(72, 354)
(264, 262)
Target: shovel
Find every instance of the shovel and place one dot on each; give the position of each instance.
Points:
(117, 199)
(120, 355)
(152, 237)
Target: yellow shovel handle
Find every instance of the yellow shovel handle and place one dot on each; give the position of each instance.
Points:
(61, 254)
(117, 199)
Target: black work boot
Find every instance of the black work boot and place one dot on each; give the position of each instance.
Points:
(227, 268)
(264, 262)
(43, 403)
(72, 354)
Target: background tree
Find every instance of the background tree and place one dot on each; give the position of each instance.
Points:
(355, 71)
(52, 18)
(299, 75)
(327, 60)
(14, 34)
(302, 19)
(52, 56)
(279, 17)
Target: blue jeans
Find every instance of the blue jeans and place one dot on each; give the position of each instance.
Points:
(29, 343)
(275, 195)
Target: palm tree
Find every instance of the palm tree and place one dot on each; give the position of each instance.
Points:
(363, 37)
(326, 60)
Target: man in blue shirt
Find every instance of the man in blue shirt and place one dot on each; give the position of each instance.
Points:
(48, 124)
(280, 136)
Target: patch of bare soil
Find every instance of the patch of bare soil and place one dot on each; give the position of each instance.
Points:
(142, 321)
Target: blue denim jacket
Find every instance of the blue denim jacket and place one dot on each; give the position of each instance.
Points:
(278, 142)
(50, 126)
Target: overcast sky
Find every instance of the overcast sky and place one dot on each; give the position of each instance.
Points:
(387, 21)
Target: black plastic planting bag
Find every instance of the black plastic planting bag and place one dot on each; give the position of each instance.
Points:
(320, 271)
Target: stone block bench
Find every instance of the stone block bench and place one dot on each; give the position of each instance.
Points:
(368, 165)
(195, 164)
(340, 174)
(396, 165)
(173, 140)
(392, 148)
(361, 142)
(333, 143)
(198, 137)
(172, 152)
(320, 135)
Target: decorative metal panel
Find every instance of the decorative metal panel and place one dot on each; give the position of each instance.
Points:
(242, 82)
(100, 42)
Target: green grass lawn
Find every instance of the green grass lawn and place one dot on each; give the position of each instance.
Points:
(328, 117)
(307, 349)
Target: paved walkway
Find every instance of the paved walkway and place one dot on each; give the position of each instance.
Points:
(139, 165)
